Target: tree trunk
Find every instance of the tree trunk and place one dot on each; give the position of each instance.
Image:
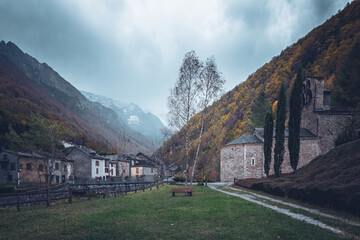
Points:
(198, 147)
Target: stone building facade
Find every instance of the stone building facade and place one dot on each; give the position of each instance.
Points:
(320, 125)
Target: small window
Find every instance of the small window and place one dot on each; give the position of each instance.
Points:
(253, 162)
(28, 166)
(124, 171)
(57, 179)
(56, 166)
(106, 170)
(65, 168)
(97, 171)
(97, 163)
(13, 167)
(41, 168)
(137, 170)
(152, 170)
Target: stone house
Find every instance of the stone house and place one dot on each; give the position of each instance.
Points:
(120, 165)
(88, 165)
(320, 125)
(26, 169)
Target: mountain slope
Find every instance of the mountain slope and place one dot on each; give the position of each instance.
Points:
(331, 50)
(133, 116)
(104, 120)
(19, 97)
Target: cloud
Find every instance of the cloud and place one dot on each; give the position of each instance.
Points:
(131, 50)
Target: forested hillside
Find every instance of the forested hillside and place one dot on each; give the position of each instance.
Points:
(331, 50)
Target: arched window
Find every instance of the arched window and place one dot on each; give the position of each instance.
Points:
(252, 161)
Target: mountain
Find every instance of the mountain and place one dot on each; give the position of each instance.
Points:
(133, 116)
(331, 50)
(108, 127)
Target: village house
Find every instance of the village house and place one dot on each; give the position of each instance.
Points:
(120, 165)
(88, 165)
(26, 169)
(320, 125)
(143, 166)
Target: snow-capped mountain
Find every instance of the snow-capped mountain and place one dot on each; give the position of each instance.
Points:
(146, 123)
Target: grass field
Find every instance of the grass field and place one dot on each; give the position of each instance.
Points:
(156, 215)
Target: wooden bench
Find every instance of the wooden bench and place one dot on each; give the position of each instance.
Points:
(187, 191)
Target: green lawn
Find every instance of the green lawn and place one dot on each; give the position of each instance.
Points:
(156, 215)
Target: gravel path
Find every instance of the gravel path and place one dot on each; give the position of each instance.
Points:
(256, 198)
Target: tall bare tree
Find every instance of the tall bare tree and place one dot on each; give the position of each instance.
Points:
(211, 84)
(183, 100)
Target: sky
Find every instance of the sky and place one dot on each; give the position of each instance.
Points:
(132, 50)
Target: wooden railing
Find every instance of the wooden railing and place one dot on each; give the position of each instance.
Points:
(67, 191)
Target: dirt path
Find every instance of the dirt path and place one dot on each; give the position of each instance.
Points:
(271, 203)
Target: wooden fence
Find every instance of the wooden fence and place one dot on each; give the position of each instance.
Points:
(67, 191)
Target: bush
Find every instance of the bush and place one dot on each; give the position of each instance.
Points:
(179, 179)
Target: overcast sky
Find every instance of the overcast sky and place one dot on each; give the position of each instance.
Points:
(132, 50)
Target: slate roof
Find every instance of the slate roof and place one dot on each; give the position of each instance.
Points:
(303, 132)
(245, 139)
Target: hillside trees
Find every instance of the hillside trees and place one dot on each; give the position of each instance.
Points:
(279, 131)
(259, 110)
(268, 138)
(182, 102)
(42, 136)
(210, 85)
(294, 121)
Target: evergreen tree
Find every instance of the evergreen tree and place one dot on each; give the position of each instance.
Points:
(268, 137)
(280, 130)
(259, 110)
(294, 121)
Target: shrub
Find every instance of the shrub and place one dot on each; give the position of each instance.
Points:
(179, 179)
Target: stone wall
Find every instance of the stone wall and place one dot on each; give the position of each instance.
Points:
(236, 160)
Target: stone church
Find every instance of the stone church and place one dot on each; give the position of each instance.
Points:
(320, 125)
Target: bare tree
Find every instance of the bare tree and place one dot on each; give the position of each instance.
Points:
(211, 84)
(183, 100)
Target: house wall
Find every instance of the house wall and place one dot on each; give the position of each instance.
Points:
(81, 166)
(236, 160)
(231, 163)
(147, 171)
(6, 174)
(98, 171)
(309, 149)
(140, 171)
(123, 169)
(33, 175)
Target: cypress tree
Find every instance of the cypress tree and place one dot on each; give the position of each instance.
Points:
(280, 130)
(268, 138)
(294, 121)
(259, 110)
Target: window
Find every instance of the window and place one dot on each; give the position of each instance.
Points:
(137, 170)
(57, 179)
(12, 166)
(253, 162)
(56, 166)
(124, 171)
(106, 170)
(65, 168)
(28, 166)
(152, 170)
(97, 171)
(41, 168)
(97, 163)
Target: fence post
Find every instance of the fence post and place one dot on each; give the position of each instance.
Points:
(135, 188)
(70, 195)
(115, 191)
(143, 187)
(48, 196)
(126, 188)
(18, 201)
